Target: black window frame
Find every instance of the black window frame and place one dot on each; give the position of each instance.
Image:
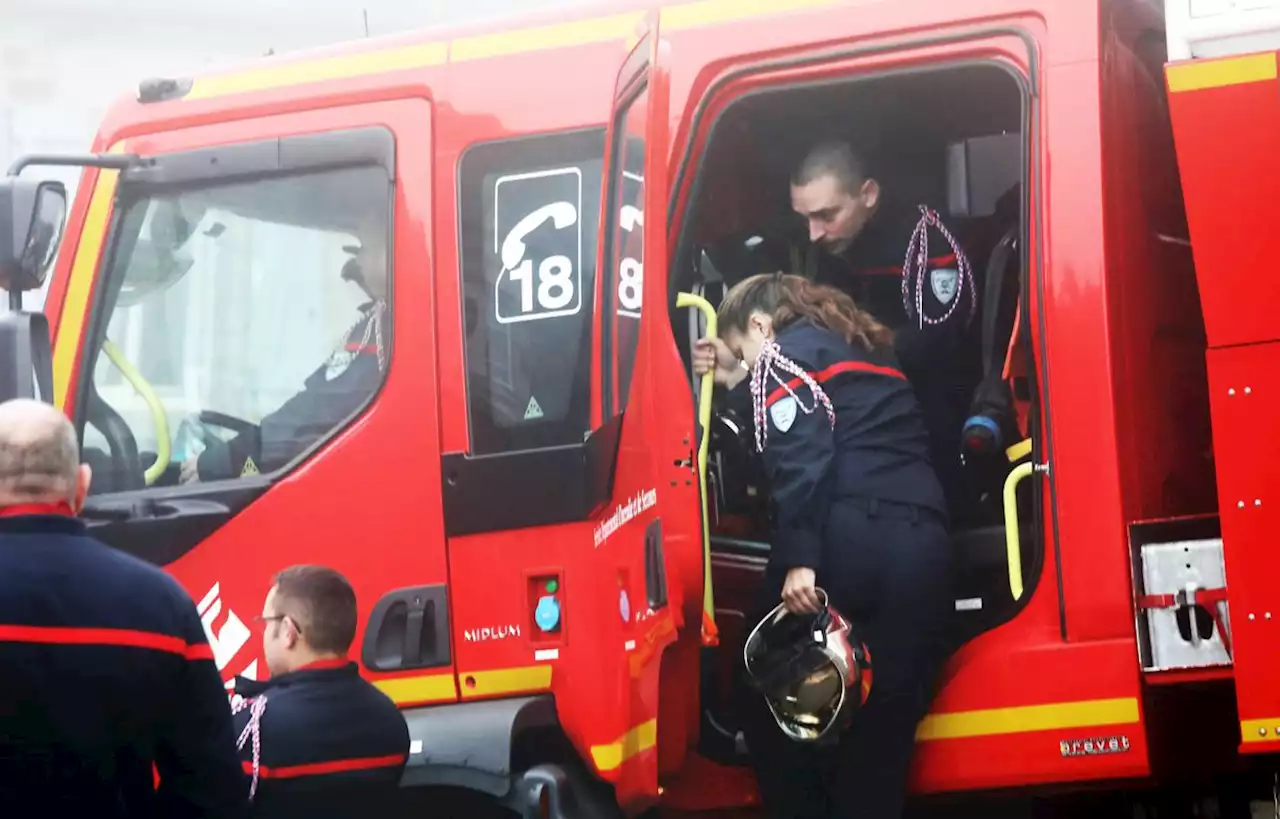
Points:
(273, 158)
(610, 364)
(527, 153)
(538, 486)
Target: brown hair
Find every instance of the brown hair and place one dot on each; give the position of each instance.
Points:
(836, 159)
(328, 606)
(787, 298)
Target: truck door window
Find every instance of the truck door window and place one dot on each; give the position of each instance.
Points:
(243, 324)
(624, 291)
(528, 211)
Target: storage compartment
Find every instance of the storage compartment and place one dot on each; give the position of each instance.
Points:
(1244, 393)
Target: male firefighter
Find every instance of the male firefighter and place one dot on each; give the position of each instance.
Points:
(106, 676)
(317, 740)
(330, 395)
(872, 245)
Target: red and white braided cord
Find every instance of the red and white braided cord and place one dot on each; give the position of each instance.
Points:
(252, 729)
(770, 357)
(917, 264)
(372, 328)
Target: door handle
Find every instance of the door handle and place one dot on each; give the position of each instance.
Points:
(408, 628)
(147, 509)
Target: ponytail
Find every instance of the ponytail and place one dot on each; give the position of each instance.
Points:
(787, 298)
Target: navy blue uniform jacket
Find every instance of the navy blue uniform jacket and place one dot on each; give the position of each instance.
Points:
(942, 361)
(877, 450)
(105, 671)
(330, 395)
(332, 745)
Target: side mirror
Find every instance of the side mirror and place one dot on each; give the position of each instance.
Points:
(26, 360)
(31, 219)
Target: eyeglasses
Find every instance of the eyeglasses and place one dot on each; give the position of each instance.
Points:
(279, 618)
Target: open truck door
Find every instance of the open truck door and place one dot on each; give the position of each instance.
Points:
(650, 535)
(31, 221)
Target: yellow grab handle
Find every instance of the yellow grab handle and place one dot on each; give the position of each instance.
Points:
(1012, 539)
(159, 418)
(710, 634)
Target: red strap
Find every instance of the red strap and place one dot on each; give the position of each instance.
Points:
(1207, 597)
(20, 509)
(1169, 601)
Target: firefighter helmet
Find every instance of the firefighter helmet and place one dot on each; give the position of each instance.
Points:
(812, 670)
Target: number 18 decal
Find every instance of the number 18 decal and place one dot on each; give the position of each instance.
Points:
(538, 240)
(631, 239)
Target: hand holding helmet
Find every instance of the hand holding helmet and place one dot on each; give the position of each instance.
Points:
(812, 670)
(799, 592)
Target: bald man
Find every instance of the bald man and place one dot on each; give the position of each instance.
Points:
(106, 676)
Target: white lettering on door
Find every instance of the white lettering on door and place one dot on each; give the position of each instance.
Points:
(229, 639)
(645, 499)
(487, 634)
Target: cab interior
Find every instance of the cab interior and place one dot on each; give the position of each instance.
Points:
(169, 245)
(951, 138)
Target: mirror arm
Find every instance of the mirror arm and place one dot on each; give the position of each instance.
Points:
(111, 161)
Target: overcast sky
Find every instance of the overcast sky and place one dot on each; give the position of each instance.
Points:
(63, 62)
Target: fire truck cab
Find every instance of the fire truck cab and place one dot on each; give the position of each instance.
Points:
(421, 309)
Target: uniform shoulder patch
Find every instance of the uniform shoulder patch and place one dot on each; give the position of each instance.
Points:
(783, 413)
(338, 363)
(944, 282)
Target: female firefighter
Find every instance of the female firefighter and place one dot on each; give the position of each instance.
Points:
(858, 512)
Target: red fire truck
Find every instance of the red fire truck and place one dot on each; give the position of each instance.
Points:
(553, 528)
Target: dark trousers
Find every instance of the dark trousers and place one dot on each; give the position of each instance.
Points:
(887, 567)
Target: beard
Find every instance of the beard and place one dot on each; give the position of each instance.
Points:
(834, 246)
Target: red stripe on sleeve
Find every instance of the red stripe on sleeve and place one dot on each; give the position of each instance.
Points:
(118, 637)
(367, 763)
(199, 651)
(881, 271)
(934, 262)
(831, 372)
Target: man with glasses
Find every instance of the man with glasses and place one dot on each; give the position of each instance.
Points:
(316, 739)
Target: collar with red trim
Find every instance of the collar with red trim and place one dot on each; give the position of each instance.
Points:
(318, 671)
(22, 509)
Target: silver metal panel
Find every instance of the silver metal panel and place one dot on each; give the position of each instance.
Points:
(1183, 566)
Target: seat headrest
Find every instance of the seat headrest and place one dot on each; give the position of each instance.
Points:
(980, 172)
